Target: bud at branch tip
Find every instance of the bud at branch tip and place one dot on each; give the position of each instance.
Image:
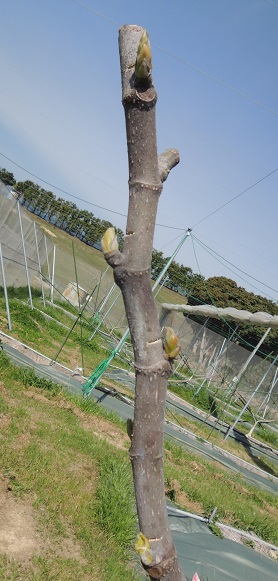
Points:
(143, 63)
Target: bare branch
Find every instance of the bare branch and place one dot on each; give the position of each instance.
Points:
(132, 274)
(167, 161)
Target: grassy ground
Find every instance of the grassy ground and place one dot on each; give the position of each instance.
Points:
(66, 495)
(48, 336)
(66, 486)
(64, 242)
(65, 478)
(214, 401)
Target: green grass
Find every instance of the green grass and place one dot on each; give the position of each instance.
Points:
(239, 504)
(53, 460)
(113, 498)
(204, 399)
(84, 481)
(79, 484)
(47, 336)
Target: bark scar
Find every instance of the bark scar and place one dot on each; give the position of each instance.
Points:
(160, 366)
(156, 341)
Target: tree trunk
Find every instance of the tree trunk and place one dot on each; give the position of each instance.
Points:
(132, 274)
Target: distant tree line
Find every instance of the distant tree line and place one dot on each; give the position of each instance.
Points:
(59, 212)
(220, 291)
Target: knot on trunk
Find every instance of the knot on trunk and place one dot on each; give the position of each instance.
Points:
(159, 570)
(125, 275)
(162, 368)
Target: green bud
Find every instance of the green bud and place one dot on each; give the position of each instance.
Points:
(143, 548)
(109, 241)
(143, 63)
(171, 343)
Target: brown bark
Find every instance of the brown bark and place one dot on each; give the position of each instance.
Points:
(132, 274)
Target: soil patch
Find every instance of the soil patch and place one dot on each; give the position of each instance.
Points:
(19, 537)
(49, 232)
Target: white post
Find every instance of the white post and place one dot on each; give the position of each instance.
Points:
(39, 262)
(183, 355)
(5, 289)
(269, 394)
(53, 272)
(102, 304)
(104, 316)
(24, 254)
(162, 284)
(47, 261)
(250, 398)
(164, 270)
(221, 352)
(237, 379)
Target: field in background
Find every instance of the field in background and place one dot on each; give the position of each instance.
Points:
(87, 258)
(87, 345)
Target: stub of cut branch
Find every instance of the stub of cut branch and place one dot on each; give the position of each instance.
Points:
(167, 161)
(133, 65)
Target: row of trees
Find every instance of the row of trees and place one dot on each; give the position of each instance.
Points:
(61, 213)
(84, 225)
(220, 291)
(180, 278)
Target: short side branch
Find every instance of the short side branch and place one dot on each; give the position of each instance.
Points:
(166, 161)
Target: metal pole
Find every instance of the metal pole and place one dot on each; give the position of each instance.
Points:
(105, 299)
(112, 305)
(181, 362)
(102, 304)
(53, 271)
(164, 270)
(269, 394)
(213, 365)
(24, 254)
(101, 277)
(39, 263)
(73, 325)
(250, 399)
(79, 309)
(47, 259)
(221, 352)
(237, 379)
(104, 317)
(5, 290)
(161, 286)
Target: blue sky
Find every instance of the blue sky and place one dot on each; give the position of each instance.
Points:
(215, 71)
